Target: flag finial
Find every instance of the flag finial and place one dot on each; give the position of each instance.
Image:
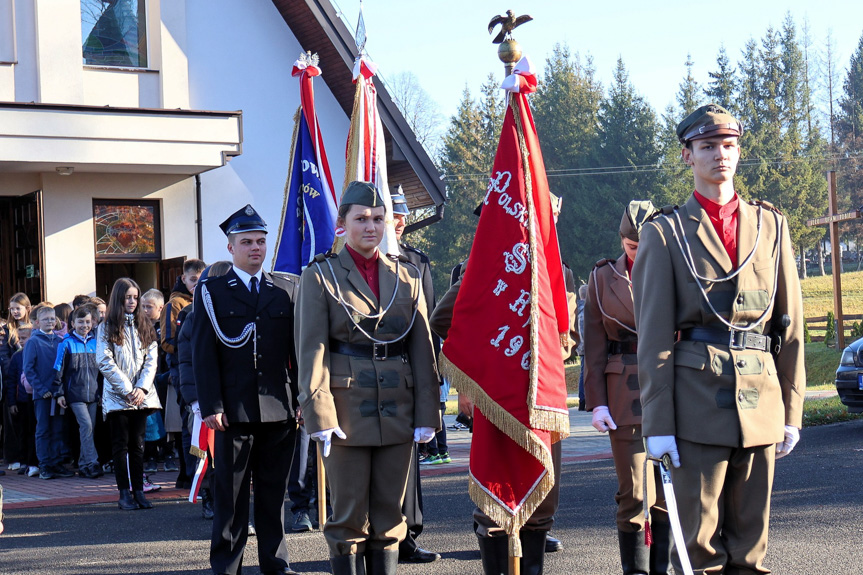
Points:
(509, 50)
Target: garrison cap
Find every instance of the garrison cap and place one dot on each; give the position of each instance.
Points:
(706, 122)
(362, 194)
(637, 213)
(400, 202)
(244, 220)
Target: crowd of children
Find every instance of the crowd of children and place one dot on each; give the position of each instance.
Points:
(84, 385)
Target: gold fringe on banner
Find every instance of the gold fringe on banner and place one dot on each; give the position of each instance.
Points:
(197, 452)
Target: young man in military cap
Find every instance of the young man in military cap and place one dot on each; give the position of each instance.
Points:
(245, 373)
(720, 351)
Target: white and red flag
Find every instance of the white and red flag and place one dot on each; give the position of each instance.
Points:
(202, 443)
(504, 346)
(366, 149)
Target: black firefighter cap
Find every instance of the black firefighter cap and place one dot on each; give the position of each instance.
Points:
(362, 194)
(244, 220)
(637, 214)
(706, 122)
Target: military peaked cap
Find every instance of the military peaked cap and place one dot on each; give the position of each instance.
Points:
(706, 122)
(244, 220)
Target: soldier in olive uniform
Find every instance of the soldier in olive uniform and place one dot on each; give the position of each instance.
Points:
(720, 352)
(245, 375)
(612, 393)
(368, 383)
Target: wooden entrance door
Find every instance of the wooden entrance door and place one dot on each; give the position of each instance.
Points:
(21, 248)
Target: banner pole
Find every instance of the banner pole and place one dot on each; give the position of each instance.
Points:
(322, 490)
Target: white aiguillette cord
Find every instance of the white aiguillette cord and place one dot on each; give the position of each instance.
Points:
(250, 331)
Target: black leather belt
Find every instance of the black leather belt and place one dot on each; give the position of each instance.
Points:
(622, 347)
(377, 351)
(734, 339)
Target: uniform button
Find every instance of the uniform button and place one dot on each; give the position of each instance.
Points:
(740, 397)
(260, 356)
(257, 317)
(382, 407)
(741, 363)
(260, 374)
(259, 337)
(232, 313)
(381, 379)
(381, 322)
(740, 299)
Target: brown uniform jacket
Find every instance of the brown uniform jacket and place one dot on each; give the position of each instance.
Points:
(374, 402)
(610, 379)
(708, 393)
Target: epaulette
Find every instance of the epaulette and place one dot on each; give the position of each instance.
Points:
(765, 204)
(566, 265)
(604, 261)
(400, 257)
(664, 210)
(423, 257)
(320, 258)
(232, 282)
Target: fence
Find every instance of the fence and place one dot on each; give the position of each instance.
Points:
(819, 324)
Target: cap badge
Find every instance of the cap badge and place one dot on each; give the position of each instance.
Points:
(250, 211)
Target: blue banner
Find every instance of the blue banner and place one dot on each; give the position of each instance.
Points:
(308, 228)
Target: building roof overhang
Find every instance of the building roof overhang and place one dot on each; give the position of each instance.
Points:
(43, 137)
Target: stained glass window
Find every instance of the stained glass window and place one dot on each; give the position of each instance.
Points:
(126, 230)
(114, 33)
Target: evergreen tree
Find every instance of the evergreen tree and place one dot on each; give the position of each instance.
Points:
(566, 111)
(689, 94)
(721, 87)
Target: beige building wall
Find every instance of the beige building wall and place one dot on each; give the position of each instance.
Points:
(70, 266)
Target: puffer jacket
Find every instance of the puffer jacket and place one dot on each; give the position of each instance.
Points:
(125, 367)
(75, 367)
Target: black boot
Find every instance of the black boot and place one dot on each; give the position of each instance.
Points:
(141, 500)
(348, 564)
(382, 561)
(126, 501)
(532, 551)
(660, 548)
(207, 511)
(634, 554)
(494, 552)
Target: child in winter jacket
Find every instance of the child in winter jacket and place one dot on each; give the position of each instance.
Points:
(78, 373)
(19, 398)
(39, 355)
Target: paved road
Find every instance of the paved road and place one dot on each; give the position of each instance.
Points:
(816, 529)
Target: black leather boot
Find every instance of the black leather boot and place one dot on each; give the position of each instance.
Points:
(348, 564)
(207, 511)
(126, 501)
(660, 549)
(141, 500)
(634, 554)
(494, 552)
(532, 551)
(382, 561)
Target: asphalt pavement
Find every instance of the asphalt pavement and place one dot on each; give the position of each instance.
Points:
(816, 520)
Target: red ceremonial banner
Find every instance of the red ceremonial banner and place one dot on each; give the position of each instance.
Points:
(504, 346)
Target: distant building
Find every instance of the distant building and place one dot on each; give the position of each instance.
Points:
(118, 119)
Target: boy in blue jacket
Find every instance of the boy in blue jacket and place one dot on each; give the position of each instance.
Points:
(77, 372)
(39, 355)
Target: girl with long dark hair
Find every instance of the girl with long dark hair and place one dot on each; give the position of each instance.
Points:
(126, 353)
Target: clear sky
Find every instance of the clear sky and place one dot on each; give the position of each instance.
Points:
(446, 44)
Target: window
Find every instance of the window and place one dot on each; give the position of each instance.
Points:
(7, 31)
(114, 33)
(127, 230)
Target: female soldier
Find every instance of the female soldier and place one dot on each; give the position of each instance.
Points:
(367, 376)
(611, 387)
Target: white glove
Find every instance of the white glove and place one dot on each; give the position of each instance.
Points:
(423, 434)
(326, 436)
(602, 421)
(659, 445)
(792, 436)
(196, 408)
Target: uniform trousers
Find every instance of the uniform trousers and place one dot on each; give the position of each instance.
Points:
(627, 448)
(723, 494)
(412, 506)
(367, 485)
(243, 451)
(541, 520)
